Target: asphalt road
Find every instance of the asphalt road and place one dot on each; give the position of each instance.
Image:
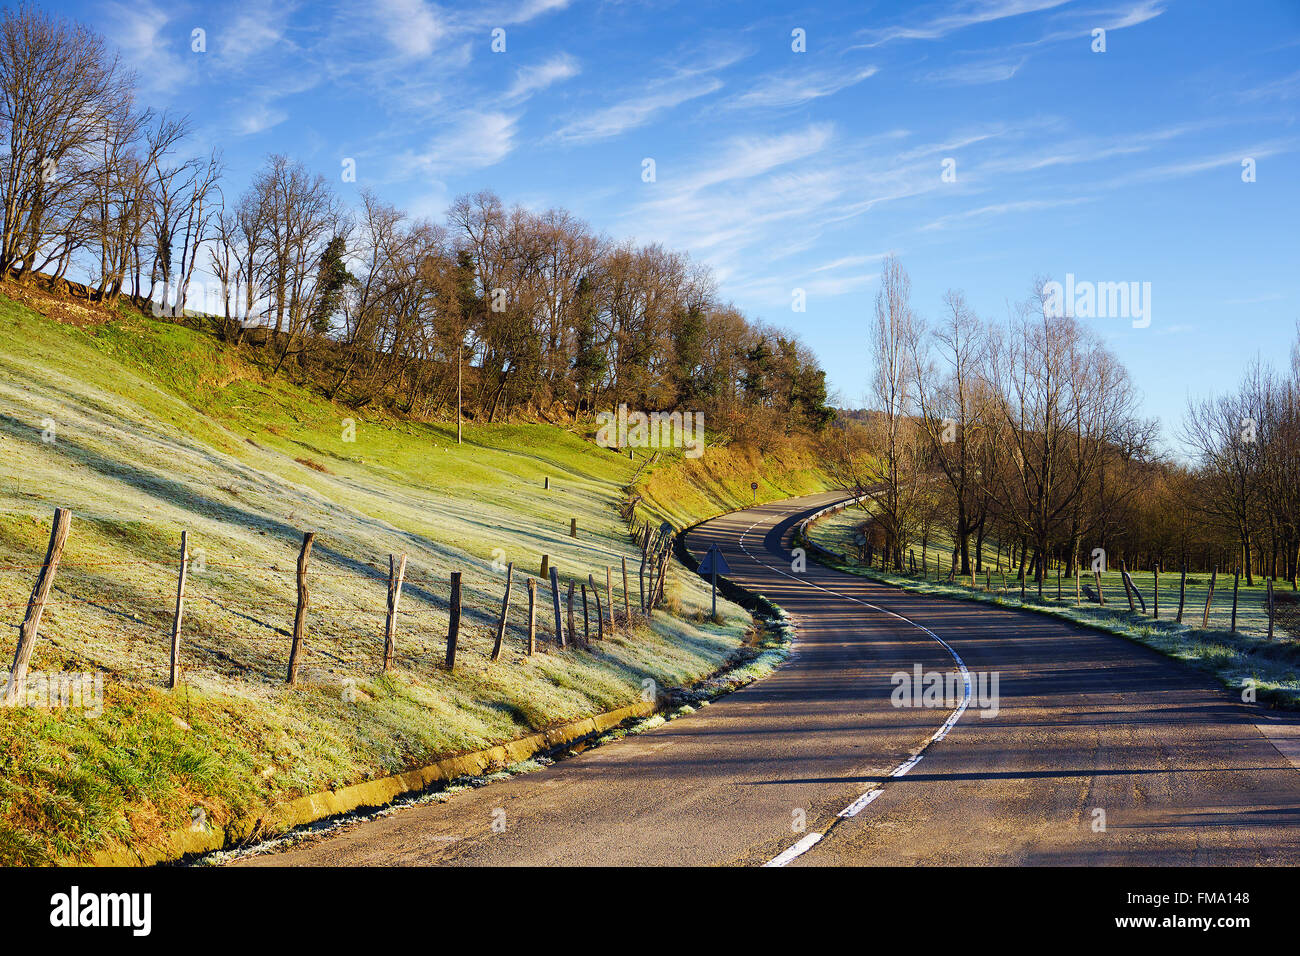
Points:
(1101, 752)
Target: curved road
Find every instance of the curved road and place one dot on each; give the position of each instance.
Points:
(1100, 752)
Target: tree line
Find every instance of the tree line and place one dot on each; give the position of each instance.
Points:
(493, 310)
(1025, 436)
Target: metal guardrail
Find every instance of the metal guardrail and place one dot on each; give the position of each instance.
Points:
(801, 529)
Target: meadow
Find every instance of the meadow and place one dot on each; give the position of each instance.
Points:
(144, 428)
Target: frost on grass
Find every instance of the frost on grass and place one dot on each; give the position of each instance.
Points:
(159, 431)
(774, 649)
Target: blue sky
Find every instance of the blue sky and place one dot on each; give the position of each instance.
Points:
(786, 170)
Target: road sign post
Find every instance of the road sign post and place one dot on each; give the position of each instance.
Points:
(713, 565)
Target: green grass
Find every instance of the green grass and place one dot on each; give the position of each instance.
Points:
(1247, 656)
(159, 429)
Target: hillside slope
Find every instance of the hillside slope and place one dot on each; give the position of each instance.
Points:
(144, 429)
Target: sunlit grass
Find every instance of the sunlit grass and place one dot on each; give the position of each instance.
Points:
(157, 429)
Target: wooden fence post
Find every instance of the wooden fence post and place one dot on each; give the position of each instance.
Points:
(555, 600)
(546, 483)
(396, 574)
(600, 611)
(652, 594)
(532, 617)
(505, 609)
(1128, 587)
(573, 527)
(586, 621)
(546, 567)
(627, 601)
(1270, 609)
(1101, 597)
(573, 630)
(641, 577)
(609, 598)
(1236, 583)
(36, 605)
(300, 615)
(1209, 596)
(1182, 593)
(174, 674)
(1137, 593)
(453, 624)
(658, 594)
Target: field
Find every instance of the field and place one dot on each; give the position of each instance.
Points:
(145, 428)
(1272, 667)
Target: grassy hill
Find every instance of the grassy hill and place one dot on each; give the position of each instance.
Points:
(146, 428)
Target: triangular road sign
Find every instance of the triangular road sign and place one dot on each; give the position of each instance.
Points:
(714, 562)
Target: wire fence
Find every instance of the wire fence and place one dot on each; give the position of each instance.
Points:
(1202, 601)
(157, 621)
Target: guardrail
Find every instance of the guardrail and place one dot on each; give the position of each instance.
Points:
(801, 529)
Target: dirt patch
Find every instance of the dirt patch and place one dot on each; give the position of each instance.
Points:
(61, 306)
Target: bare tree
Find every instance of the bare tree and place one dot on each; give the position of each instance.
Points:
(1223, 433)
(955, 405)
(59, 90)
(886, 462)
(1063, 398)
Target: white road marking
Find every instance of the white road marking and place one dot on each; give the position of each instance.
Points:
(858, 805)
(803, 846)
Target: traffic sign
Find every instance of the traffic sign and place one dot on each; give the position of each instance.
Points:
(714, 563)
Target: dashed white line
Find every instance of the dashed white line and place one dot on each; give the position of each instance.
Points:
(803, 846)
(863, 801)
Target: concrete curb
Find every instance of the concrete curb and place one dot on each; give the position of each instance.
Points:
(371, 793)
(380, 792)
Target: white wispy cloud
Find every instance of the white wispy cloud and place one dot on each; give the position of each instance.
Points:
(413, 27)
(748, 156)
(1084, 21)
(138, 30)
(1190, 167)
(533, 79)
(848, 262)
(994, 210)
(962, 15)
(252, 29)
(972, 74)
(635, 110)
(1283, 88)
(797, 88)
(257, 118)
(471, 140)
(692, 78)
